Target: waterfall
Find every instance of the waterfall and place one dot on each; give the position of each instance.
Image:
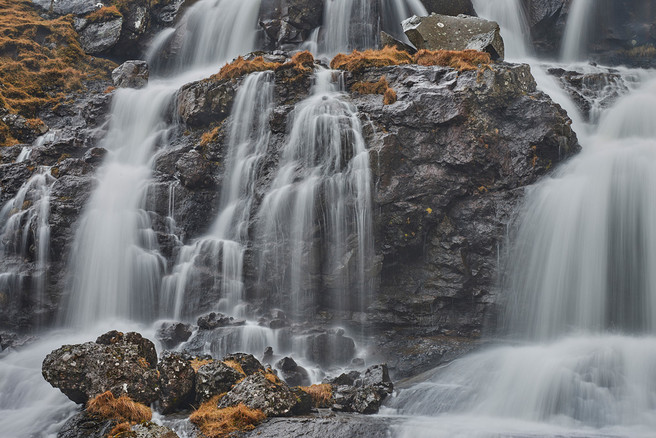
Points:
(25, 233)
(353, 24)
(512, 19)
(323, 178)
(577, 31)
(222, 249)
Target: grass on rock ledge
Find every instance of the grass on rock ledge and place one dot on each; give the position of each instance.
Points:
(41, 62)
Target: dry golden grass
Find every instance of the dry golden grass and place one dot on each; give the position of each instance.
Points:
(389, 97)
(380, 87)
(105, 13)
(272, 378)
(217, 423)
(209, 136)
(122, 409)
(196, 363)
(301, 63)
(120, 430)
(460, 60)
(358, 61)
(322, 394)
(464, 60)
(235, 366)
(40, 61)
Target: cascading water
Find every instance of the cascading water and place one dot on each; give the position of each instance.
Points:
(25, 233)
(224, 245)
(323, 178)
(514, 27)
(348, 24)
(580, 304)
(577, 31)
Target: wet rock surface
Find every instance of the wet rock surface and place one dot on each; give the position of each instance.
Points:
(324, 426)
(177, 382)
(123, 364)
(131, 74)
(443, 32)
(213, 379)
(263, 392)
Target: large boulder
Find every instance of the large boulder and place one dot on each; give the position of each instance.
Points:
(292, 373)
(172, 334)
(116, 362)
(443, 32)
(204, 102)
(215, 378)
(65, 7)
(329, 349)
(131, 74)
(365, 394)
(177, 382)
(84, 425)
(248, 363)
(266, 393)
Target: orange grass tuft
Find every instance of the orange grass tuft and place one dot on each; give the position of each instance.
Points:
(105, 13)
(381, 87)
(120, 430)
(322, 394)
(272, 378)
(301, 62)
(196, 363)
(41, 60)
(122, 409)
(464, 60)
(208, 137)
(235, 365)
(217, 423)
(358, 61)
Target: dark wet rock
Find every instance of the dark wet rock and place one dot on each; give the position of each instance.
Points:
(345, 379)
(151, 430)
(328, 349)
(443, 32)
(287, 23)
(177, 382)
(215, 320)
(274, 398)
(449, 7)
(194, 172)
(165, 12)
(205, 102)
(377, 377)
(123, 364)
(292, 373)
(22, 129)
(592, 92)
(324, 426)
(213, 379)
(131, 74)
(172, 334)
(100, 37)
(84, 425)
(248, 362)
(388, 40)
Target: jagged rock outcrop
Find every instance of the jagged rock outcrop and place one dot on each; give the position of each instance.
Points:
(131, 74)
(443, 32)
(266, 393)
(117, 362)
(215, 378)
(177, 382)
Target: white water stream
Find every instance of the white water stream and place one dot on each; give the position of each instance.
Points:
(580, 300)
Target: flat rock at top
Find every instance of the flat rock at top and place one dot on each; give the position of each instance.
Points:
(443, 32)
(64, 7)
(450, 7)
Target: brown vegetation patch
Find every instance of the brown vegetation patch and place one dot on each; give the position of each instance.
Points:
(105, 13)
(122, 409)
(358, 61)
(120, 430)
(322, 394)
(216, 423)
(235, 366)
(272, 378)
(209, 136)
(301, 63)
(460, 60)
(41, 61)
(196, 363)
(464, 60)
(380, 87)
